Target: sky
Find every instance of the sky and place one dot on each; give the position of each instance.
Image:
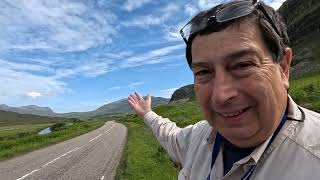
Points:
(77, 55)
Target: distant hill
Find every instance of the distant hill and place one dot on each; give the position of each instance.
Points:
(185, 93)
(31, 109)
(120, 106)
(13, 118)
(303, 20)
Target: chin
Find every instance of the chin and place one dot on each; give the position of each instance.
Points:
(238, 134)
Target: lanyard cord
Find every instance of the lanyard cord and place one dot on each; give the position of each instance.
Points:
(215, 151)
(218, 141)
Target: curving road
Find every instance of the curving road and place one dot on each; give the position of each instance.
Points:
(95, 155)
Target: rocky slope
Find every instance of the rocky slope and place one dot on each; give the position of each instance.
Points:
(303, 21)
(185, 93)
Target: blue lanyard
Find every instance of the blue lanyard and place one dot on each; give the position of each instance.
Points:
(218, 141)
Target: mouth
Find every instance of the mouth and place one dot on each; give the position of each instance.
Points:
(235, 116)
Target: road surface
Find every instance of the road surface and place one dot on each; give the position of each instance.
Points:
(94, 155)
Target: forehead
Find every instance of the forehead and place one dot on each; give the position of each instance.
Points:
(234, 38)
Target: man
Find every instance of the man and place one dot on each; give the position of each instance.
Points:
(240, 57)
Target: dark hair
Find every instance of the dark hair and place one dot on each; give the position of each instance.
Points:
(275, 41)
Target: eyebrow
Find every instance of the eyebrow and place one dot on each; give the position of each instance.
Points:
(229, 57)
(240, 53)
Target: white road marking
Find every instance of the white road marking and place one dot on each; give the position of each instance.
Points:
(95, 137)
(60, 157)
(109, 129)
(26, 175)
(101, 134)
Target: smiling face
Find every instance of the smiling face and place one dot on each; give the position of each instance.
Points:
(241, 91)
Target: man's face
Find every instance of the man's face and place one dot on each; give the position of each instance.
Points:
(241, 91)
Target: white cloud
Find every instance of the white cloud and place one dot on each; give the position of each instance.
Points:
(275, 3)
(166, 93)
(166, 50)
(34, 94)
(22, 66)
(155, 19)
(18, 84)
(115, 88)
(172, 65)
(206, 4)
(145, 21)
(60, 25)
(91, 68)
(191, 10)
(151, 57)
(131, 5)
(135, 84)
(172, 33)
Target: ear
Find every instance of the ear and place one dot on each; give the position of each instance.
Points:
(285, 66)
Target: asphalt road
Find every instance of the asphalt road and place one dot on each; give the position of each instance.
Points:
(95, 155)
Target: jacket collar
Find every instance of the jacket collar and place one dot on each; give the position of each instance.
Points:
(295, 112)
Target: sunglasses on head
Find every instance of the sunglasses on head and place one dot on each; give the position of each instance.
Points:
(228, 12)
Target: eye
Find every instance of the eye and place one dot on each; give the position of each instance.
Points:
(203, 76)
(242, 65)
(201, 73)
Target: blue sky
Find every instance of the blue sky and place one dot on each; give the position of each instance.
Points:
(77, 55)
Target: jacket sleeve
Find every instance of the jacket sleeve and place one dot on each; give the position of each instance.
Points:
(174, 139)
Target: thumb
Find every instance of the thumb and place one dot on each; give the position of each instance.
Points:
(149, 97)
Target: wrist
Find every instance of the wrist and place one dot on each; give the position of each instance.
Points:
(145, 112)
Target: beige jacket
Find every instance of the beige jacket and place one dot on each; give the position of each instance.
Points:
(293, 155)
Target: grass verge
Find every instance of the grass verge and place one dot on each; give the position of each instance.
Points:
(26, 140)
(306, 92)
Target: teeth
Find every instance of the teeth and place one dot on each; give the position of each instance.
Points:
(232, 114)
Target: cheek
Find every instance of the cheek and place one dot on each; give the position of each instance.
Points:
(269, 94)
(203, 95)
(203, 92)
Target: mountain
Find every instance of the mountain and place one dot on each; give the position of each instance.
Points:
(117, 107)
(31, 109)
(303, 22)
(13, 118)
(185, 93)
(122, 106)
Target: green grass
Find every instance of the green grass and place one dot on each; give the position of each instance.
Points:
(10, 131)
(306, 92)
(24, 138)
(145, 159)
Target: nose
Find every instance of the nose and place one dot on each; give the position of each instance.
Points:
(224, 89)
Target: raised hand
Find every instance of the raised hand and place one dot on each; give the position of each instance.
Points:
(140, 106)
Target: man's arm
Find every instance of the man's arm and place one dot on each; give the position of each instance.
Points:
(174, 139)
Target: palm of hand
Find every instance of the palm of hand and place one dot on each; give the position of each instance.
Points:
(140, 106)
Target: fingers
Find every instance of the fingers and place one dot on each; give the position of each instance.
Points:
(138, 95)
(131, 101)
(134, 98)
